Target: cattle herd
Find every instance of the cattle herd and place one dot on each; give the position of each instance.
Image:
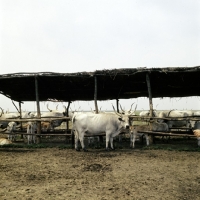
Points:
(90, 123)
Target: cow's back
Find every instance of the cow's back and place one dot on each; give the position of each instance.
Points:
(95, 123)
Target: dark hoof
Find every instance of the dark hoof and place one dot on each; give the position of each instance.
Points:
(77, 149)
(85, 150)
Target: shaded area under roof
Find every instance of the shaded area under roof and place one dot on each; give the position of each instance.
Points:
(112, 84)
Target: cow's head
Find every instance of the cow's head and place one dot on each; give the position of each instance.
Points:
(124, 116)
(64, 112)
(11, 127)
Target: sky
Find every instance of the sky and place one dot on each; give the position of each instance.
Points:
(69, 36)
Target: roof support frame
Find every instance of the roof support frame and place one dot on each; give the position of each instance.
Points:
(150, 94)
(38, 109)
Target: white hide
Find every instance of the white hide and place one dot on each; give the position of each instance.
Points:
(176, 113)
(133, 131)
(10, 129)
(156, 126)
(111, 124)
(31, 128)
(4, 141)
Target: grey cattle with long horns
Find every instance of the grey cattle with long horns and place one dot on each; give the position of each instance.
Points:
(109, 123)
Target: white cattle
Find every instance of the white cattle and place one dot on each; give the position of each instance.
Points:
(146, 113)
(4, 141)
(4, 116)
(155, 126)
(55, 113)
(32, 129)
(197, 134)
(28, 115)
(133, 131)
(109, 123)
(10, 129)
(197, 113)
(176, 113)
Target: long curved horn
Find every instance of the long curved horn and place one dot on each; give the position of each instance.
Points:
(64, 108)
(1, 111)
(134, 110)
(115, 111)
(131, 107)
(48, 108)
(121, 108)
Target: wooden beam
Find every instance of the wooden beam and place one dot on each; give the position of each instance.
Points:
(38, 108)
(150, 94)
(166, 134)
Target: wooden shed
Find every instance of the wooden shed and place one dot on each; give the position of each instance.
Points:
(100, 85)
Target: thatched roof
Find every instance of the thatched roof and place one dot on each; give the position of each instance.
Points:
(111, 84)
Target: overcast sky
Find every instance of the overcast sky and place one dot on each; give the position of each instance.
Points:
(87, 35)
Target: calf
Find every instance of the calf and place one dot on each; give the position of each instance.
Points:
(4, 141)
(197, 134)
(31, 128)
(133, 131)
(10, 129)
(155, 126)
(46, 126)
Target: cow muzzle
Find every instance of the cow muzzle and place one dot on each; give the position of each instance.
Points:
(127, 126)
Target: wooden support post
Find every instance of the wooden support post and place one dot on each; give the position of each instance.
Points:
(95, 103)
(150, 95)
(38, 109)
(95, 95)
(20, 113)
(67, 121)
(150, 101)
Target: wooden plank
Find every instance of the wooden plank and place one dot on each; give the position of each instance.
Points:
(45, 119)
(139, 118)
(166, 134)
(150, 94)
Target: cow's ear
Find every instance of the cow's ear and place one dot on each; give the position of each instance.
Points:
(64, 114)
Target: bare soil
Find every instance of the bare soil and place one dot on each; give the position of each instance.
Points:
(55, 173)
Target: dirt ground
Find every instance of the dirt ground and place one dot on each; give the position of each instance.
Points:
(55, 173)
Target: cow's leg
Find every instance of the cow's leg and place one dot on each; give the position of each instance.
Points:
(198, 141)
(133, 140)
(28, 139)
(120, 138)
(111, 142)
(147, 139)
(81, 138)
(107, 141)
(76, 138)
(33, 138)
